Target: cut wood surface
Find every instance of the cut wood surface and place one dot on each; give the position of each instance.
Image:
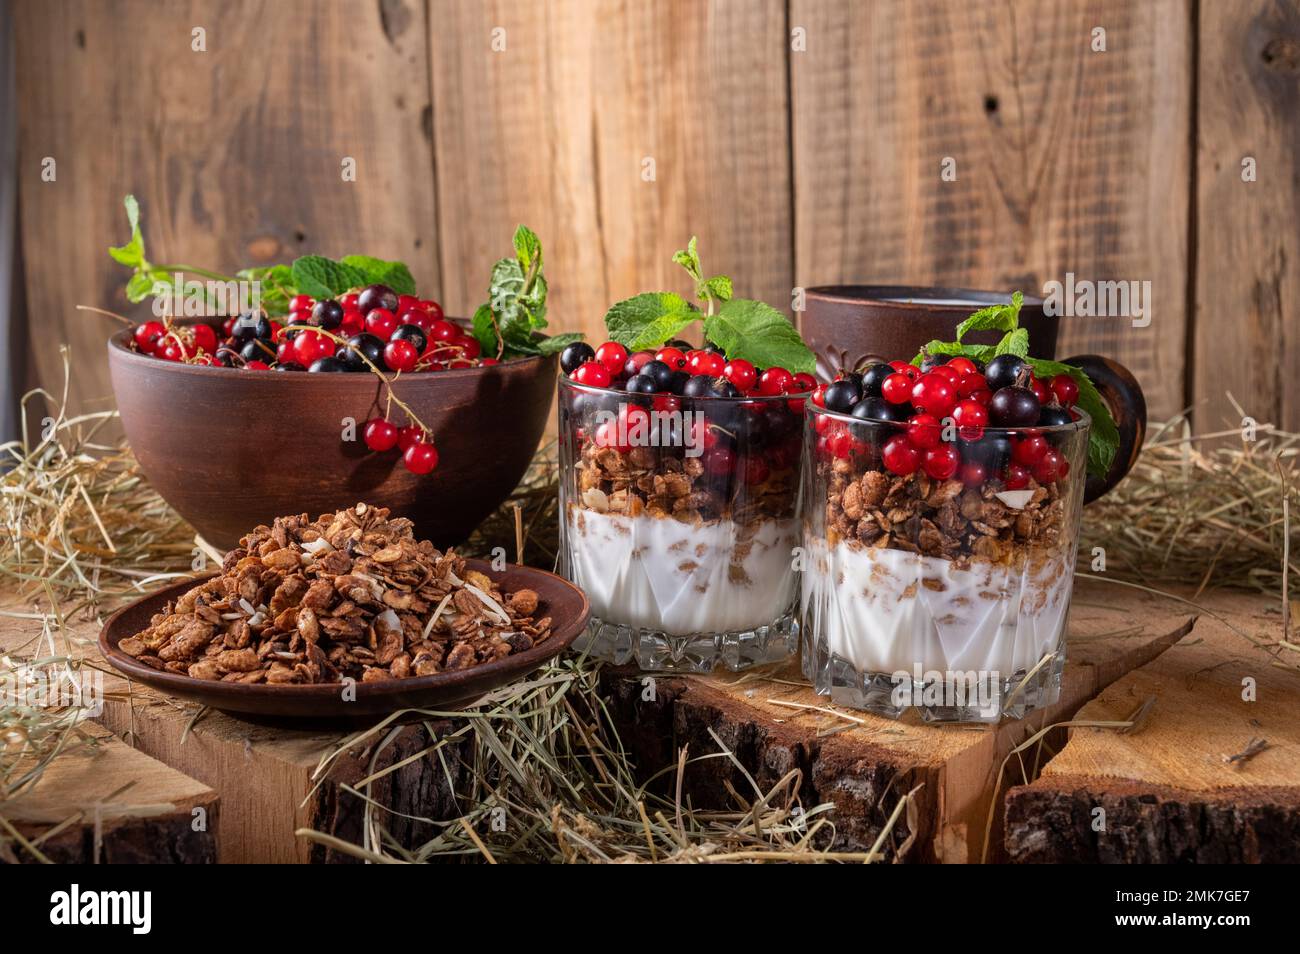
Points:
(870, 761)
(108, 803)
(1166, 789)
(859, 763)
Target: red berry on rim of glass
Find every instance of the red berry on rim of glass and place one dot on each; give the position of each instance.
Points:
(1066, 389)
(593, 374)
(933, 394)
(305, 302)
(379, 434)
(673, 357)
(740, 373)
(971, 417)
(963, 366)
(775, 381)
(897, 389)
(923, 431)
(613, 356)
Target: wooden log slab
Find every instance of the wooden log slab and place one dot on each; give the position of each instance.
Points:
(1164, 790)
(108, 803)
(868, 763)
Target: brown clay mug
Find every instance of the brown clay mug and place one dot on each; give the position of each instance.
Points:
(849, 325)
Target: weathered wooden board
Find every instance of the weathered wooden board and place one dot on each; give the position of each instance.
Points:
(110, 804)
(549, 113)
(1165, 791)
(236, 154)
(1247, 320)
(869, 763)
(1067, 160)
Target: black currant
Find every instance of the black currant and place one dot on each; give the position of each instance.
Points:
(575, 356)
(991, 450)
(699, 385)
(641, 384)
(721, 387)
(780, 422)
(290, 366)
(852, 377)
(327, 314)
(659, 373)
(327, 364)
(1004, 371)
(257, 349)
(750, 428)
(878, 409)
(716, 349)
(414, 334)
(1014, 407)
(932, 361)
(227, 356)
(679, 381)
(252, 324)
(363, 344)
(873, 377)
(376, 296)
(1054, 417)
(841, 396)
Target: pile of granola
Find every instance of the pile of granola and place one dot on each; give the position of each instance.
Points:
(350, 594)
(941, 518)
(654, 482)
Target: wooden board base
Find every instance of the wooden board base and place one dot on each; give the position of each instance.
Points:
(1165, 791)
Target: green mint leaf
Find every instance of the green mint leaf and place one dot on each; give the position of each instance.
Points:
(557, 343)
(132, 253)
(717, 288)
(689, 259)
(994, 318)
(506, 285)
(139, 287)
(758, 333)
(321, 277)
(649, 319)
(1014, 342)
(528, 247)
(484, 329)
(275, 283)
(377, 271)
(1103, 436)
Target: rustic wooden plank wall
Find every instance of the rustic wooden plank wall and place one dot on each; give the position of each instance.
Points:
(802, 140)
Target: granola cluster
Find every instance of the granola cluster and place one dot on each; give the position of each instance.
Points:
(646, 480)
(351, 594)
(941, 518)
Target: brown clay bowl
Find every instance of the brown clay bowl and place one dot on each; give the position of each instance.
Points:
(561, 600)
(232, 449)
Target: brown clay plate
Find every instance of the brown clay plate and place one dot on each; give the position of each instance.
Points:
(561, 600)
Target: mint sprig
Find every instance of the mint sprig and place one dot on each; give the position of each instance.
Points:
(750, 330)
(1103, 436)
(509, 323)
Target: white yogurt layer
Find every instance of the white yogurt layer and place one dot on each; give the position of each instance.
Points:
(661, 574)
(885, 610)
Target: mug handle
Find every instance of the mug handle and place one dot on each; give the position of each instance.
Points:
(1128, 406)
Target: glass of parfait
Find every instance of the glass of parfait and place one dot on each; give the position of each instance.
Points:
(939, 560)
(678, 520)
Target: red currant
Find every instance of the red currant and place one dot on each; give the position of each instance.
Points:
(408, 435)
(381, 323)
(672, 357)
(775, 381)
(379, 434)
(593, 374)
(963, 366)
(1040, 389)
(969, 384)
(400, 354)
(900, 456)
(148, 335)
(303, 302)
(933, 394)
(945, 371)
(941, 462)
(803, 382)
(349, 301)
(1015, 478)
(840, 444)
(819, 395)
(420, 458)
(440, 330)
(756, 470)
(613, 356)
(1066, 390)
(897, 388)
(256, 366)
(408, 303)
(308, 346)
(971, 418)
(205, 339)
(469, 346)
(488, 362)
(923, 431)
(1028, 451)
(972, 473)
(740, 373)
(284, 353)
(719, 461)
(903, 367)
(982, 395)
(432, 307)
(1048, 467)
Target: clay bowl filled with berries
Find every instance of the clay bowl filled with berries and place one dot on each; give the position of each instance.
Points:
(368, 396)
